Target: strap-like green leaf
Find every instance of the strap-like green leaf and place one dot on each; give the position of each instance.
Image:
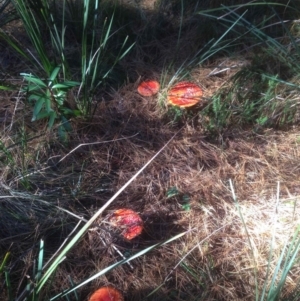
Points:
(42, 114)
(54, 73)
(2, 266)
(40, 261)
(66, 85)
(48, 105)
(37, 108)
(52, 118)
(33, 79)
(6, 88)
(31, 88)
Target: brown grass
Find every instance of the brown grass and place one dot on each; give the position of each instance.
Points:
(217, 249)
(216, 260)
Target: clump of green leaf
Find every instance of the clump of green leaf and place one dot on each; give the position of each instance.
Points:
(48, 97)
(182, 198)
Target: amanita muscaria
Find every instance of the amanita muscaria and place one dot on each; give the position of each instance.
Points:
(148, 88)
(128, 221)
(184, 94)
(106, 293)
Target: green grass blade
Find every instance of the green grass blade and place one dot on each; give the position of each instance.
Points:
(108, 30)
(33, 30)
(235, 7)
(2, 266)
(111, 267)
(8, 285)
(54, 74)
(32, 79)
(84, 229)
(271, 251)
(12, 43)
(40, 261)
(290, 260)
(215, 47)
(75, 292)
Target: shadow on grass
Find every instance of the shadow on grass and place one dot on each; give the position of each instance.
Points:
(134, 129)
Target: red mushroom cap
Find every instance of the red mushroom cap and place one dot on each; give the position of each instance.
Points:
(129, 221)
(184, 94)
(148, 88)
(106, 293)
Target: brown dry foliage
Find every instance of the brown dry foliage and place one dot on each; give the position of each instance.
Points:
(217, 249)
(215, 260)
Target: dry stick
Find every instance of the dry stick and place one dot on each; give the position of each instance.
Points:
(118, 251)
(15, 109)
(93, 143)
(81, 219)
(216, 71)
(86, 221)
(103, 241)
(82, 144)
(95, 216)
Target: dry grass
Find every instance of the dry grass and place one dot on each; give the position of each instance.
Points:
(217, 259)
(214, 261)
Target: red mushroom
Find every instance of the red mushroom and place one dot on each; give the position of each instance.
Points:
(129, 221)
(148, 88)
(184, 94)
(106, 293)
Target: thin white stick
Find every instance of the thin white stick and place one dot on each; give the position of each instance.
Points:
(103, 241)
(93, 143)
(74, 149)
(96, 215)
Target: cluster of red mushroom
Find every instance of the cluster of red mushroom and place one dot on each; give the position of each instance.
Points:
(106, 293)
(131, 225)
(184, 94)
(128, 221)
(148, 88)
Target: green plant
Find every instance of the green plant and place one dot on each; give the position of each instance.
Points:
(48, 97)
(261, 93)
(54, 72)
(183, 199)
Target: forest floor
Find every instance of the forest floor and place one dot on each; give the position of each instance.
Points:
(235, 192)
